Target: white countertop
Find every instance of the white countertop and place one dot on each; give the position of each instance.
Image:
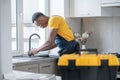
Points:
(31, 59)
(20, 75)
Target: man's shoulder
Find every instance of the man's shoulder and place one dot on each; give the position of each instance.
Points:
(56, 16)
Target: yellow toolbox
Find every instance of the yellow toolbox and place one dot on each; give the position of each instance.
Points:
(109, 67)
(88, 66)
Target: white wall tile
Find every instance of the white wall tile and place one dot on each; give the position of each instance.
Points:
(105, 33)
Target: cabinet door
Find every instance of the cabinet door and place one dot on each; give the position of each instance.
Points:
(48, 68)
(27, 68)
(84, 8)
(59, 7)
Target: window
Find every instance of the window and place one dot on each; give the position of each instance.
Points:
(14, 27)
(22, 26)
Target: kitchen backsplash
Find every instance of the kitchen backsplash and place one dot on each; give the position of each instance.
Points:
(105, 33)
(74, 24)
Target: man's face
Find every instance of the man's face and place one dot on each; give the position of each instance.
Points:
(41, 21)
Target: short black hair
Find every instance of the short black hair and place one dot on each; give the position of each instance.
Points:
(36, 15)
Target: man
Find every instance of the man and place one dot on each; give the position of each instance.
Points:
(60, 34)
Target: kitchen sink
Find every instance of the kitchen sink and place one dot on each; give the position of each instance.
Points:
(25, 57)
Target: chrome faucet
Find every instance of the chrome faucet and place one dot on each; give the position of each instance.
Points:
(30, 39)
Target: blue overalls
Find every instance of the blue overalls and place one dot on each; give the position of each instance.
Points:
(66, 47)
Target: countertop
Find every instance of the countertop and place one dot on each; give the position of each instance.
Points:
(20, 75)
(18, 60)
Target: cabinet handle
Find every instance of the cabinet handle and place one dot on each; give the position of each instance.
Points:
(32, 68)
(45, 66)
(13, 66)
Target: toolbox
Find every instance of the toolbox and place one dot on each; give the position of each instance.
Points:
(88, 66)
(109, 67)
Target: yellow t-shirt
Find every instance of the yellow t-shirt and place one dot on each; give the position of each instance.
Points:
(57, 22)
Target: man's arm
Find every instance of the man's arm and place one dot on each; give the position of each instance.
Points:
(49, 44)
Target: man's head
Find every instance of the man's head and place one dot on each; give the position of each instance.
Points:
(40, 19)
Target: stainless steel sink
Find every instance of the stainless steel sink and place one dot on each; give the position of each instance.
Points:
(28, 58)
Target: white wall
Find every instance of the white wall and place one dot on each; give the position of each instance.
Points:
(105, 33)
(5, 38)
(0, 46)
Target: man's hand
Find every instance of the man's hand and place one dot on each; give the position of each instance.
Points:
(32, 52)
